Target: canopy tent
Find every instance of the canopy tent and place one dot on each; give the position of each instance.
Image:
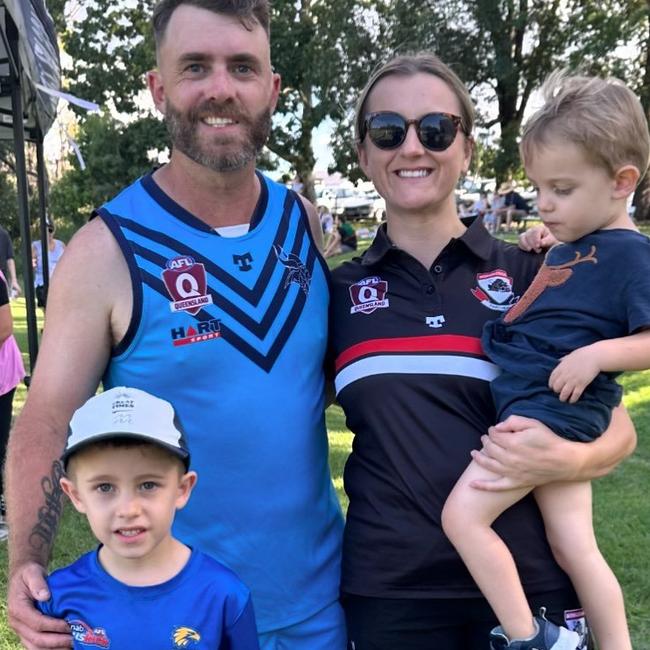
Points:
(30, 73)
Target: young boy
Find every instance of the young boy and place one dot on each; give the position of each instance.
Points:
(584, 318)
(127, 470)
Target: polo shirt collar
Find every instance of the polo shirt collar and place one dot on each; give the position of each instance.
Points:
(476, 239)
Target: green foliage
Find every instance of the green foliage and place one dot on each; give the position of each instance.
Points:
(115, 155)
(323, 50)
(8, 200)
(111, 49)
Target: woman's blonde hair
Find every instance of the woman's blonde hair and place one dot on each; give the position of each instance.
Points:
(406, 65)
(601, 116)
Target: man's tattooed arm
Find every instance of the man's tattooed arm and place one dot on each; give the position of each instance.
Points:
(43, 533)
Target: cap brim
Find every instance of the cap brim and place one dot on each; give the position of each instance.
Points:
(181, 454)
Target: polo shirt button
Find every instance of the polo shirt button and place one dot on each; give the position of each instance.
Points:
(437, 268)
(429, 289)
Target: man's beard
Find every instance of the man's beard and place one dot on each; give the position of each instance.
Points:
(183, 132)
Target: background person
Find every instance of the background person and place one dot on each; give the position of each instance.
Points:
(55, 248)
(515, 207)
(8, 263)
(343, 240)
(242, 361)
(12, 373)
(405, 325)
(326, 220)
(483, 210)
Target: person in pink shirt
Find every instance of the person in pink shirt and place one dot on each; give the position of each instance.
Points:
(11, 374)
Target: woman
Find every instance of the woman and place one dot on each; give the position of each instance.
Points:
(413, 382)
(11, 374)
(55, 248)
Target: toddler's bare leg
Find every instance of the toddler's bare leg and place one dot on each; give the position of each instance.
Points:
(467, 520)
(566, 508)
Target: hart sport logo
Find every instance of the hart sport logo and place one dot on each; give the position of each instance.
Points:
(186, 283)
(196, 333)
(369, 294)
(88, 636)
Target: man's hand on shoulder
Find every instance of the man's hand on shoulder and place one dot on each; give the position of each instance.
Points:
(36, 631)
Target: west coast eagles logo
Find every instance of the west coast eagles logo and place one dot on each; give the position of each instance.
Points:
(369, 294)
(185, 637)
(494, 290)
(187, 284)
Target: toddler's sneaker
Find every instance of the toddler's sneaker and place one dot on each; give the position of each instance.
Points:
(548, 637)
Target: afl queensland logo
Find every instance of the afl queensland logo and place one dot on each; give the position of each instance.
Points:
(494, 290)
(186, 283)
(368, 294)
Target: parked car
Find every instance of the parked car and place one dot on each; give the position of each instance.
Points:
(344, 201)
(378, 210)
(468, 190)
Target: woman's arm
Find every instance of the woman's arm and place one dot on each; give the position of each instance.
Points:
(524, 452)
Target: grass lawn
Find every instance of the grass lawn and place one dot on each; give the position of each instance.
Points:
(621, 511)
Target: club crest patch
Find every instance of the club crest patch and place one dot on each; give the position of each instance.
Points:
(186, 283)
(369, 294)
(185, 637)
(298, 272)
(88, 636)
(494, 290)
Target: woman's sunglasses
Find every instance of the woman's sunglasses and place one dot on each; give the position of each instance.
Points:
(387, 130)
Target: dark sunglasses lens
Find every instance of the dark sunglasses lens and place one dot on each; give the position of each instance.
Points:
(437, 132)
(386, 130)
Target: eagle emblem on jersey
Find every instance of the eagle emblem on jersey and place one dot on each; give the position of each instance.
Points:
(494, 290)
(186, 282)
(298, 272)
(184, 637)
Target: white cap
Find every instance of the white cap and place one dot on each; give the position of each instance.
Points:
(123, 412)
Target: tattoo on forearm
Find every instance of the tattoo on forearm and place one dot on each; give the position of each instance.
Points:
(43, 533)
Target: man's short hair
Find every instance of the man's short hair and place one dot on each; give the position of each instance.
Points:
(601, 116)
(248, 12)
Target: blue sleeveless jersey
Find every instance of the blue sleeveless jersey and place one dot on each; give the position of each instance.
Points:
(232, 332)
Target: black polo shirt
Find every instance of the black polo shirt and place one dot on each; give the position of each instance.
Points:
(414, 384)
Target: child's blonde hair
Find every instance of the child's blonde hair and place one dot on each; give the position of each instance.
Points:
(601, 116)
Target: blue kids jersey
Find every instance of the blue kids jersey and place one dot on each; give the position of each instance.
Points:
(232, 332)
(595, 288)
(205, 606)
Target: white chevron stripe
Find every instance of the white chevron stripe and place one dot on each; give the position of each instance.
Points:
(435, 364)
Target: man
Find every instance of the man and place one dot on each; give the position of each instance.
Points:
(228, 326)
(7, 262)
(515, 207)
